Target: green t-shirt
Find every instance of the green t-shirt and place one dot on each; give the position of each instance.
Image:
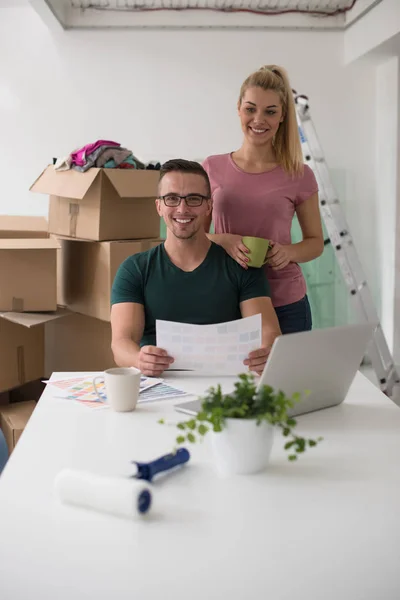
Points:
(210, 294)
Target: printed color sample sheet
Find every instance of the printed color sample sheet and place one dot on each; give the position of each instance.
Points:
(210, 349)
(81, 390)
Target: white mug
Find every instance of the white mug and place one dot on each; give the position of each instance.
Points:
(122, 388)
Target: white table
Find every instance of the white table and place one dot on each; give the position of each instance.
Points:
(324, 528)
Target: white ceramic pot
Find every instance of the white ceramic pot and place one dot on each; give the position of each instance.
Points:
(242, 447)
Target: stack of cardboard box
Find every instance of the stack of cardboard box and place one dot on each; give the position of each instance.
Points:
(28, 281)
(96, 220)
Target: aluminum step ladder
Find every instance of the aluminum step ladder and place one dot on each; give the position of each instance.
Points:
(346, 254)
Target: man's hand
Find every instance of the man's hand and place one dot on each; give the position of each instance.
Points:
(257, 359)
(152, 361)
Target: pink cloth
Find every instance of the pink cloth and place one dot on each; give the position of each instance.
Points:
(261, 205)
(78, 157)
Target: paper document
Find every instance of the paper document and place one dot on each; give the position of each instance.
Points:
(210, 349)
(82, 390)
(161, 391)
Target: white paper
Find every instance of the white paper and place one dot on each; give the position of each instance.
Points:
(161, 391)
(82, 390)
(210, 349)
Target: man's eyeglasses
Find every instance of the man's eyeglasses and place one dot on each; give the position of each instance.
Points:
(191, 199)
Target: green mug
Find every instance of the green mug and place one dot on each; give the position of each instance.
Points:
(258, 250)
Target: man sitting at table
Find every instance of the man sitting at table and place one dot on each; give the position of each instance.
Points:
(186, 279)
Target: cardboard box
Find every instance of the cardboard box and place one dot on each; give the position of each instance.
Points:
(13, 420)
(60, 278)
(101, 204)
(4, 398)
(23, 227)
(28, 275)
(22, 347)
(21, 354)
(28, 391)
(78, 343)
(87, 271)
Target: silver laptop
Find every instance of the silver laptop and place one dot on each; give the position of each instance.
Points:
(323, 361)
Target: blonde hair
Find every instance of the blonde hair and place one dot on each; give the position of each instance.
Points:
(287, 140)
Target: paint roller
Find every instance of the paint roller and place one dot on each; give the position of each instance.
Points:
(128, 497)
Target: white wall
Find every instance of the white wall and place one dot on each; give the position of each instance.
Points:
(356, 132)
(375, 40)
(173, 93)
(375, 28)
(387, 132)
(162, 94)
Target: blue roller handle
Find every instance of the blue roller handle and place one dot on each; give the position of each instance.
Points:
(164, 463)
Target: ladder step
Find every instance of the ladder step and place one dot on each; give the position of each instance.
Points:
(346, 255)
(317, 159)
(325, 202)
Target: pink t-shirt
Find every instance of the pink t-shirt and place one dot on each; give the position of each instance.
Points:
(261, 205)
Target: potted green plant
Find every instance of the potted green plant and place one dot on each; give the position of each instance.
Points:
(242, 425)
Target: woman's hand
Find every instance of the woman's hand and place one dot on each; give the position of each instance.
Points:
(233, 245)
(279, 256)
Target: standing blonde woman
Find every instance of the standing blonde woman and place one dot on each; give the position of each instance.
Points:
(258, 189)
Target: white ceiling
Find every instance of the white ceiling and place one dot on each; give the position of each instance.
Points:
(214, 14)
(321, 7)
(13, 3)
